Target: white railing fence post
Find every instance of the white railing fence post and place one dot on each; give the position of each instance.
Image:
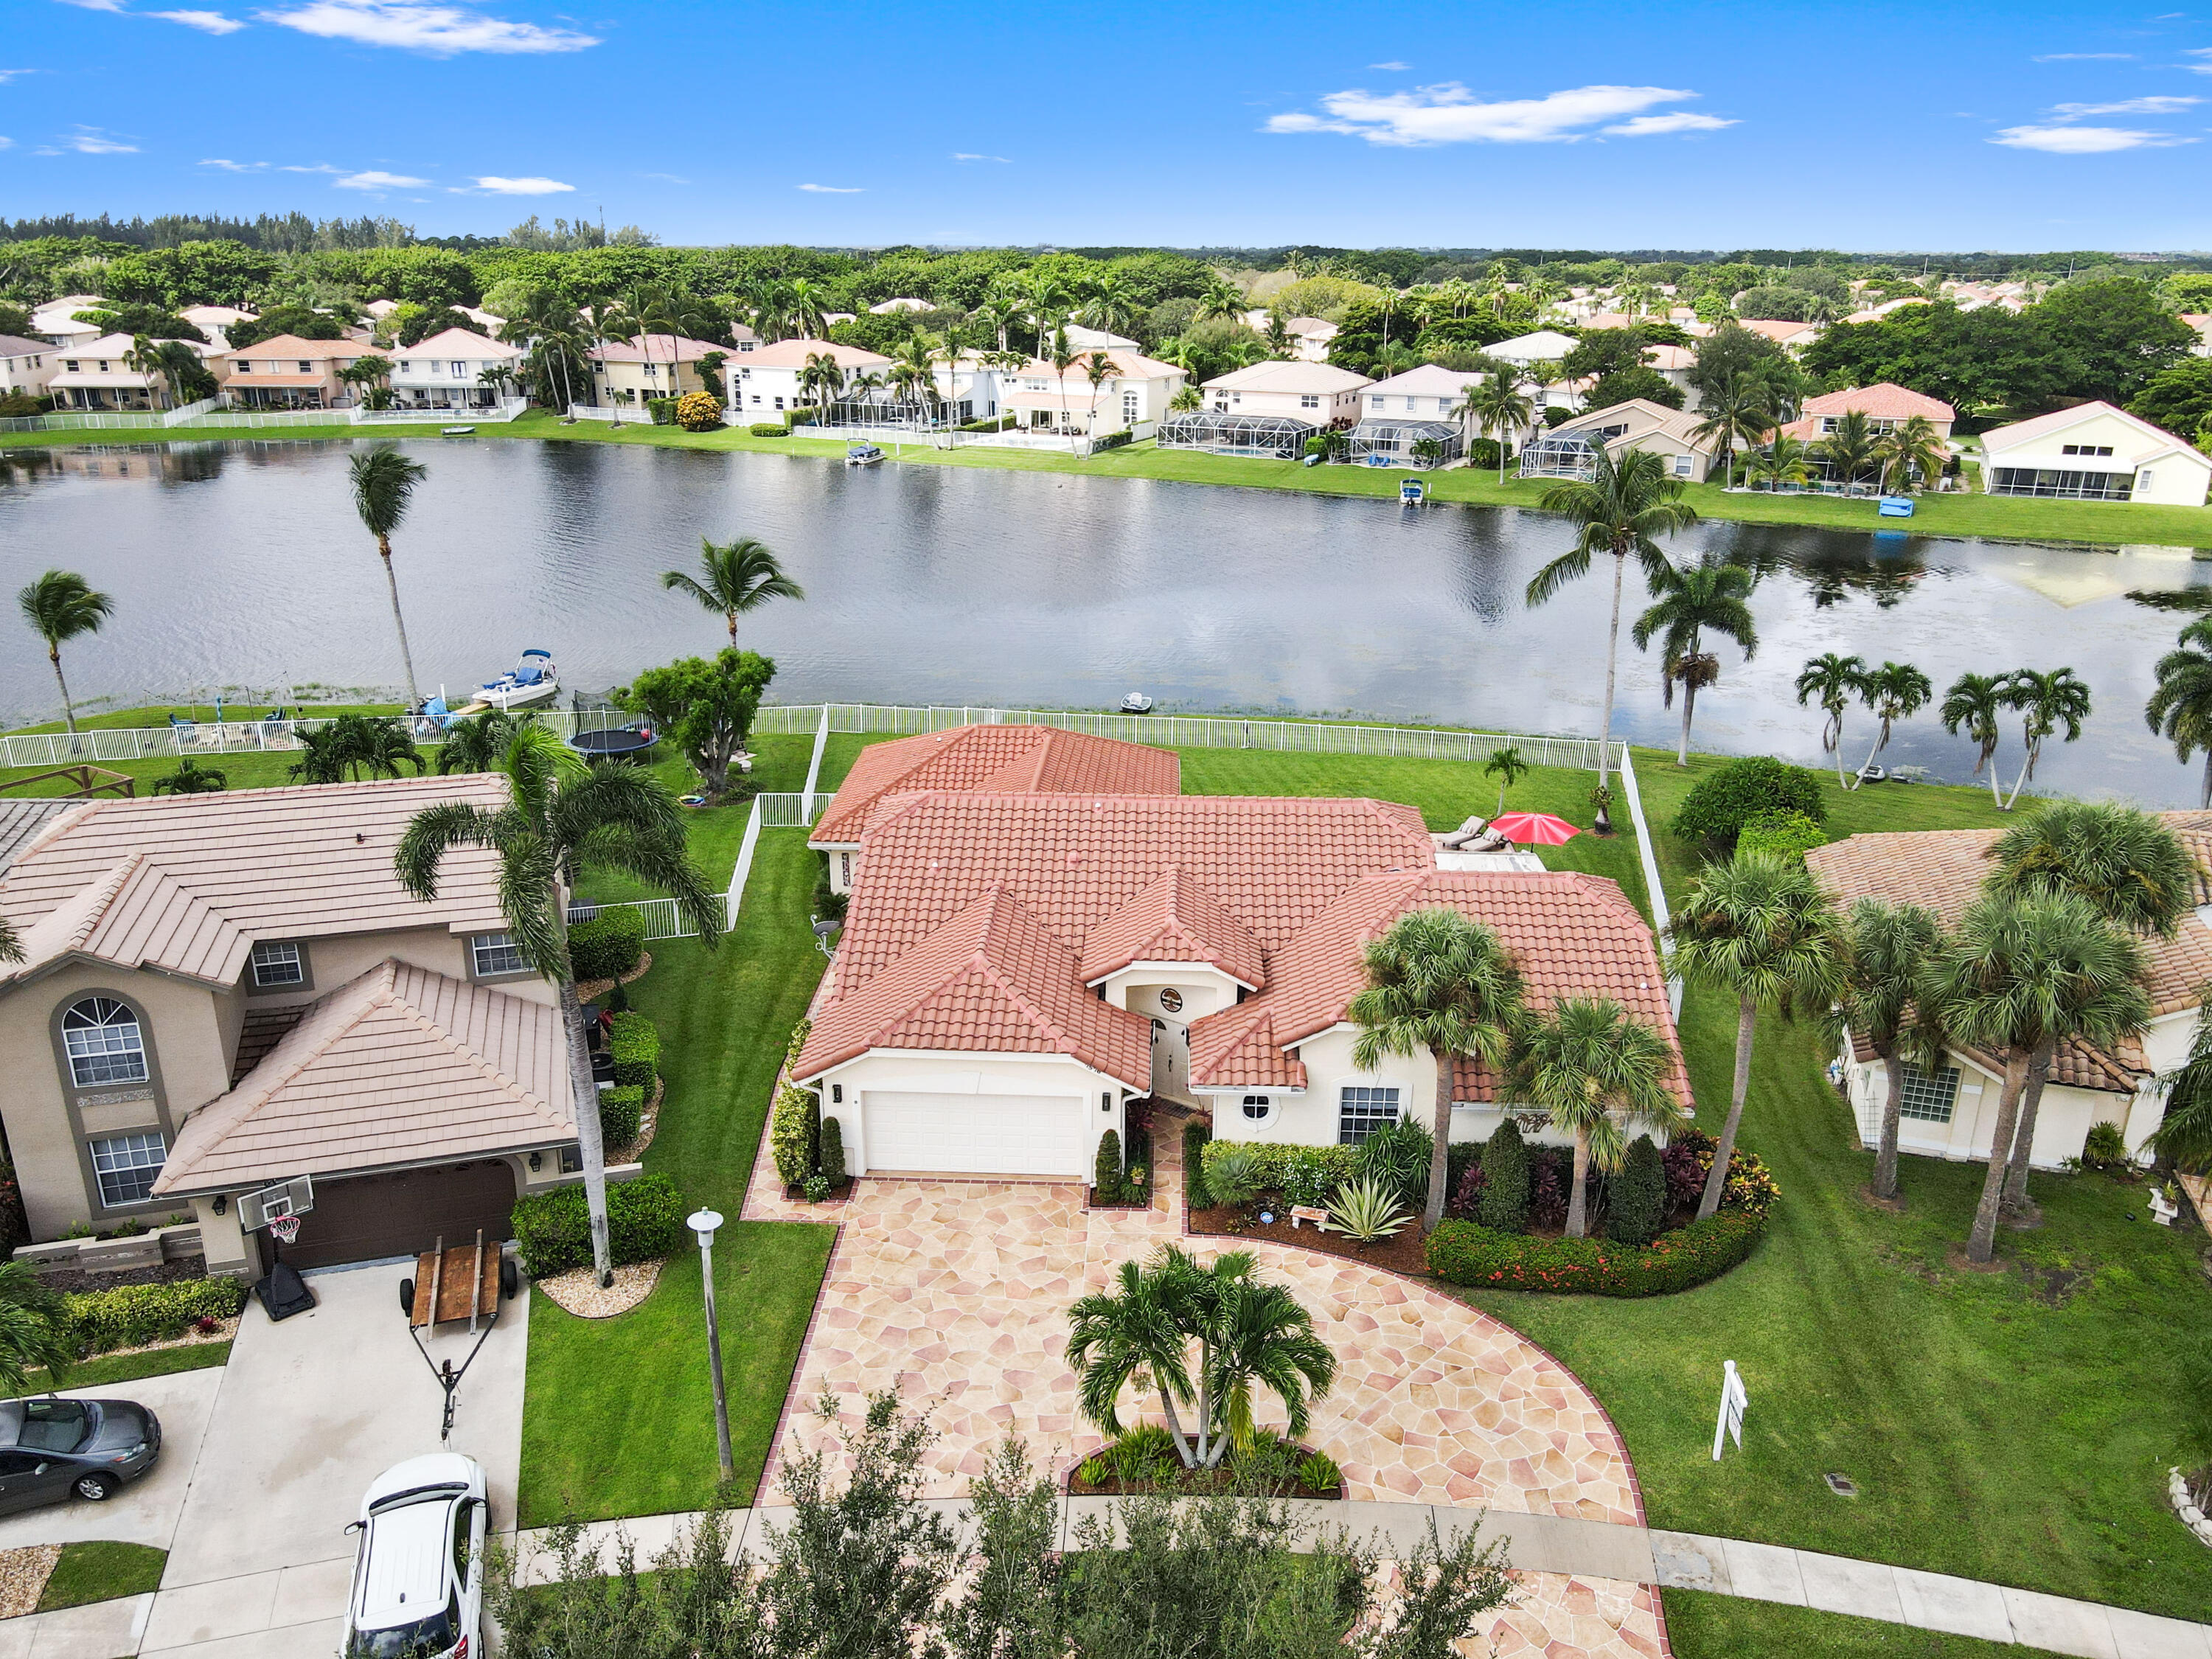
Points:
(744, 866)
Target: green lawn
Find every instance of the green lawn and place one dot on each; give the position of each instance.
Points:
(105, 1371)
(1700, 1626)
(100, 1570)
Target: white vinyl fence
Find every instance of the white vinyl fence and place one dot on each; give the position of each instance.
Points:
(209, 415)
(662, 919)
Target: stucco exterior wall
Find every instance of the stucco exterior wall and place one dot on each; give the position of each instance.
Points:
(2061, 1124)
(957, 1074)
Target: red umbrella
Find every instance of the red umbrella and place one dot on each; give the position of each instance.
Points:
(1534, 829)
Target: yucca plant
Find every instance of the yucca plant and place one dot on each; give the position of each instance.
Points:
(1364, 1211)
(1232, 1175)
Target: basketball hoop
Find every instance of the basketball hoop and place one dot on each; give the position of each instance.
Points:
(283, 1227)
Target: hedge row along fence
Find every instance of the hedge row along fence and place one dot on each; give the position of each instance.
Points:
(1466, 1253)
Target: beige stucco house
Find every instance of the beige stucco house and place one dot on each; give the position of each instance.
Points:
(1567, 451)
(286, 372)
(221, 992)
(26, 366)
(1320, 394)
(631, 372)
(2094, 453)
(764, 382)
(447, 370)
(1886, 405)
(1133, 396)
(97, 373)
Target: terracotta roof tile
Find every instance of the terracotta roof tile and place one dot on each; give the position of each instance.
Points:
(1003, 759)
(1174, 920)
(1884, 401)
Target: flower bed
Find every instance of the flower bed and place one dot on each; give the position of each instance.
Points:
(1144, 1460)
(1401, 1253)
(138, 1316)
(1466, 1253)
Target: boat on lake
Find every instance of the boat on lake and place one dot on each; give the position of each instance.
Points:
(862, 454)
(1136, 703)
(531, 681)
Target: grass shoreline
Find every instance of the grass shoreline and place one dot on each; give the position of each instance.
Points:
(2087, 524)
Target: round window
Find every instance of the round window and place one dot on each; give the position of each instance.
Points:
(1256, 1107)
(1171, 1000)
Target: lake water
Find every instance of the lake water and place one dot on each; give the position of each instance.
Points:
(242, 564)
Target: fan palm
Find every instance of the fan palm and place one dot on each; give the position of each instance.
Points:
(1628, 502)
(1707, 596)
(384, 483)
(561, 816)
(1780, 461)
(1441, 984)
(2045, 703)
(1892, 692)
(1975, 705)
(61, 606)
(736, 579)
(1832, 681)
(1890, 948)
(1910, 451)
(1592, 1069)
(2021, 974)
(1760, 929)
(1737, 415)
(2180, 706)
(1131, 1334)
(1498, 405)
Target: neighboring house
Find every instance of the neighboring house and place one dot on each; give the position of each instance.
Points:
(1545, 346)
(1876, 313)
(1310, 336)
(1792, 337)
(892, 307)
(764, 381)
(223, 992)
(286, 372)
(1674, 364)
(1083, 339)
(2203, 324)
(97, 375)
(216, 322)
(1134, 398)
(1026, 760)
(2093, 452)
(1950, 1109)
(446, 371)
(1320, 394)
(26, 366)
(1016, 969)
(1429, 393)
(56, 320)
(1886, 405)
(632, 371)
(1570, 451)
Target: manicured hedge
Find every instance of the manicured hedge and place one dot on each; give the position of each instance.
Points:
(634, 1043)
(609, 946)
(1466, 1253)
(553, 1233)
(1719, 805)
(131, 1315)
(769, 429)
(1303, 1175)
(621, 1113)
(795, 1135)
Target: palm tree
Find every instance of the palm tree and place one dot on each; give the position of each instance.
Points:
(1628, 501)
(1975, 704)
(2180, 707)
(384, 483)
(2020, 974)
(998, 314)
(1498, 405)
(1832, 681)
(1064, 357)
(822, 377)
(1892, 692)
(476, 744)
(2045, 703)
(1099, 368)
(1108, 305)
(1219, 297)
(1047, 298)
(1890, 948)
(1190, 398)
(1909, 452)
(1438, 983)
(1509, 769)
(1737, 415)
(33, 1330)
(1114, 1336)
(1708, 594)
(1259, 1334)
(1848, 447)
(561, 816)
(350, 747)
(2184, 1135)
(1782, 461)
(367, 373)
(1591, 1069)
(60, 605)
(735, 578)
(1759, 928)
(805, 307)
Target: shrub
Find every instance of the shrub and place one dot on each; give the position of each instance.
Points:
(1146, 1451)
(1504, 1201)
(1685, 1170)
(1398, 1157)
(769, 429)
(794, 418)
(1106, 1170)
(1365, 1210)
(1483, 453)
(1303, 1174)
(1689, 1160)
(696, 411)
(1639, 1196)
(833, 1152)
(609, 946)
(1195, 1194)
(1114, 440)
(1466, 1253)
(1317, 1472)
(645, 1222)
(1551, 1171)
(663, 410)
(131, 1315)
(795, 1134)
(1785, 834)
(2104, 1147)
(1232, 1172)
(1715, 811)
(796, 1042)
(621, 1114)
(634, 1043)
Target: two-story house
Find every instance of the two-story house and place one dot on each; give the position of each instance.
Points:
(1320, 394)
(448, 370)
(216, 994)
(632, 373)
(286, 372)
(26, 366)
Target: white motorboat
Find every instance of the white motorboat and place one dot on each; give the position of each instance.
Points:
(1136, 703)
(862, 454)
(531, 681)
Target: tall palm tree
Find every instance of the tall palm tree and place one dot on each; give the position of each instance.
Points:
(1707, 595)
(1910, 452)
(1737, 415)
(671, 314)
(384, 483)
(1109, 303)
(1097, 369)
(1064, 357)
(561, 816)
(1047, 296)
(1848, 447)
(1890, 948)
(1780, 461)
(1832, 681)
(1496, 404)
(1894, 692)
(822, 377)
(1262, 1336)
(1592, 1069)
(1628, 502)
(1219, 297)
(1759, 928)
(2020, 974)
(1440, 984)
(1127, 1333)
(736, 578)
(1975, 705)
(2045, 703)
(999, 313)
(806, 307)
(2180, 707)
(60, 606)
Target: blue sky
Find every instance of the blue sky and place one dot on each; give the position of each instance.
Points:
(1878, 125)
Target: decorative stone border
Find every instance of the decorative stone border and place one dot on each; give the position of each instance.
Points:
(2194, 1519)
(577, 1292)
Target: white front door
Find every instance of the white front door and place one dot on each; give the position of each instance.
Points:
(978, 1134)
(1170, 1059)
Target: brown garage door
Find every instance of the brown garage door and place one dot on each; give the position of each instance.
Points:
(369, 1217)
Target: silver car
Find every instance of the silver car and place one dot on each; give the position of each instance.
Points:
(418, 1576)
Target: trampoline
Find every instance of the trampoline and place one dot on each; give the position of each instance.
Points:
(615, 743)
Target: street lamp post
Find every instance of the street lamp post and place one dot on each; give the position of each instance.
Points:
(703, 1222)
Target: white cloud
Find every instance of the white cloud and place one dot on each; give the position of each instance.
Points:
(963, 155)
(7, 143)
(833, 190)
(665, 178)
(93, 141)
(2084, 140)
(208, 22)
(2085, 57)
(1450, 114)
(415, 26)
(6, 75)
(1655, 126)
(2197, 68)
(376, 180)
(320, 167)
(234, 167)
(2159, 104)
(1395, 69)
(95, 5)
(494, 185)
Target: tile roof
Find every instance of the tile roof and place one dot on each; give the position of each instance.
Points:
(1776, 330)
(15, 346)
(1174, 920)
(1884, 401)
(186, 884)
(793, 354)
(399, 1067)
(2156, 438)
(1428, 380)
(1287, 376)
(458, 342)
(655, 347)
(996, 760)
(1643, 418)
(291, 345)
(22, 822)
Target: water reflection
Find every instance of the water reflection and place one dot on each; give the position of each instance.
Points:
(241, 564)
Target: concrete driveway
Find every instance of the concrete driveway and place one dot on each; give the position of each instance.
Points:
(145, 1511)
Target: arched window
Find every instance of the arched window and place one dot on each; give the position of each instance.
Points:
(104, 1043)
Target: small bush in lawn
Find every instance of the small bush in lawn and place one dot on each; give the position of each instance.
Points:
(1786, 835)
(1106, 1169)
(1639, 1196)
(622, 1114)
(833, 1152)
(769, 429)
(796, 1134)
(1504, 1201)
(634, 1043)
(1231, 1173)
(1718, 806)
(553, 1232)
(2104, 1147)
(1195, 1191)
(609, 946)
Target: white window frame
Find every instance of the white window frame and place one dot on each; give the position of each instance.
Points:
(498, 947)
(119, 1161)
(279, 954)
(1258, 1109)
(104, 1050)
(1928, 1097)
(1369, 1100)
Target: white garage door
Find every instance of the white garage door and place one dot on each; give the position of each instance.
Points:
(978, 1134)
